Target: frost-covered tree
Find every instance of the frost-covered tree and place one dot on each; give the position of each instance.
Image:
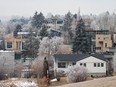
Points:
(104, 21)
(94, 26)
(9, 27)
(76, 73)
(19, 20)
(49, 45)
(2, 30)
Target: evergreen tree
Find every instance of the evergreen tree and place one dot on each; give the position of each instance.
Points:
(81, 41)
(43, 32)
(67, 21)
(37, 20)
(17, 29)
(31, 45)
(67, 28)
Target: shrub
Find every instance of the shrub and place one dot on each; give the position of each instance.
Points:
(76, 73)
(60, 73)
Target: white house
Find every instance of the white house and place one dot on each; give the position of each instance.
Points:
(95, 63)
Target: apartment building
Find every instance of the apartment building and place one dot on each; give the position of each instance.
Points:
(103, 42)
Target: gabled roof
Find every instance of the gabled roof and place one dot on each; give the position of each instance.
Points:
(77, 57)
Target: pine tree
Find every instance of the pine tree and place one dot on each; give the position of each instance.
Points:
(17, 29)
(67, 21)
(31, 45)
(67, 28)
(37, 20)
(81, 41)
(43, 32)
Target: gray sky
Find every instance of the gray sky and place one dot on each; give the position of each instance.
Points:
(28, 7)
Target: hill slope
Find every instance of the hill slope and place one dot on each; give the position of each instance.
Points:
(101, 82)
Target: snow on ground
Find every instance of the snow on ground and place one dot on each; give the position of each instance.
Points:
(18, 83)
(25, 84)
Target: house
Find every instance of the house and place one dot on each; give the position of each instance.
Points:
(96, 64)
(12, 43)
(54, 33)
(54, 22)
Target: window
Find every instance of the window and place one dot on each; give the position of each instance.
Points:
(81, 64)
(106, 38)
(59, 22)
(94, 64)
(102, 64)
(85, 64)
(98, 65)
(98, 48)
(73, 63)
(62, 65)
(105, 44)
(9, 44)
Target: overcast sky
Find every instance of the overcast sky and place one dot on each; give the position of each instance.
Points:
(28, 7)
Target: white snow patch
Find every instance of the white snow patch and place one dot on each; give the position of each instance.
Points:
(25, 84)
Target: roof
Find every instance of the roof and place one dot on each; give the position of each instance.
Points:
(77, 57)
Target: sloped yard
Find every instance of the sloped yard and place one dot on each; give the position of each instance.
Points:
(100, 82)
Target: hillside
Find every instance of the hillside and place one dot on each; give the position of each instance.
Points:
(100, 82)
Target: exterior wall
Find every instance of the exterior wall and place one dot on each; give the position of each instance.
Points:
(90, 65)
(53, 23)
(103, 42)
(114, 38)
(114, 62)
(16, 43)
(7, 62)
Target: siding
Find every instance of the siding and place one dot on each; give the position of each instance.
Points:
(90, 65)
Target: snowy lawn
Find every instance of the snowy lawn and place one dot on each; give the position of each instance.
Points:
(18, 83)
(25, 83)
